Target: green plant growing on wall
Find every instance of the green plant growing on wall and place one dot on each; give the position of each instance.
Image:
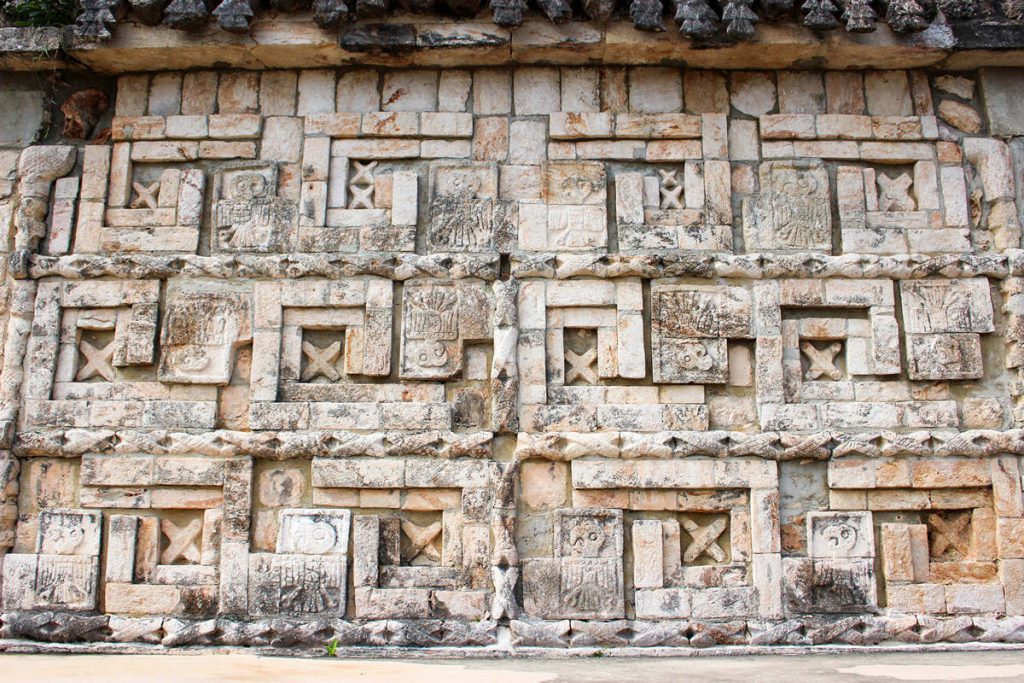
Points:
(332, 647)
(36, 13)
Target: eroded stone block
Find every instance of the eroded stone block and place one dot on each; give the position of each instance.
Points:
(792, 210)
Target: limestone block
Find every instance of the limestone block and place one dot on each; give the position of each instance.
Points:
(536, 91)
(840, 535)
(791, 210)
(752, 93)
(198, 93)
(23, 113)
(453, 90)
(690, 326)
(201, 335)
(647, 554)
(297, 585)
(409, 91)
(465, 214)
(975, 599)
(904, 549)
(438, 320)
(997, 86)
(662, 603)
(358, 91)
(313, 532)
(828, 586)
(655, 89)
(248, 213)
(926, 598)
(63, 582)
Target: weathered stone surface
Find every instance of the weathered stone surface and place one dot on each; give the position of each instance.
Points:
(23, 114)
(292, 322)
(997, 86)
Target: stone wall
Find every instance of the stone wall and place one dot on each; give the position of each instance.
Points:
(516, 358)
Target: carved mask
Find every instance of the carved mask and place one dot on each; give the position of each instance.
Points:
(587, 538)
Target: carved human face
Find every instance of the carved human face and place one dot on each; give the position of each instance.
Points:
(65, 538)
(692, 355)
(840, 536)
(313, 536)
(587, 538)
(430, 354)
(800, 184)
(250, 186)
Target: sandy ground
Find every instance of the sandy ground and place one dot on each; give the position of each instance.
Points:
(239, 668)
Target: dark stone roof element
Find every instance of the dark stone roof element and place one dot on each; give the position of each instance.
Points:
(706, 21)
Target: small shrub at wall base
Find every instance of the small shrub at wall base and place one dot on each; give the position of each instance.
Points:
(39, 12)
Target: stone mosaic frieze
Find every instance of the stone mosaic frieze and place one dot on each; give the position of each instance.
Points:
(516, 358)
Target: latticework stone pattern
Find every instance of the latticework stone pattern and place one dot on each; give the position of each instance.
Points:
(529, 358)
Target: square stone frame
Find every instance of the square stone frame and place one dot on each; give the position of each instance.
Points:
(880, 348)
(148, 482)
(912, 484)
(276, 339)
(104, 224)
(48, 401)
(612, 482)
(377, 598)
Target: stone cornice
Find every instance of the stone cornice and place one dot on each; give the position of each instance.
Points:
(294, 41)
(548, 266)
(558, 446)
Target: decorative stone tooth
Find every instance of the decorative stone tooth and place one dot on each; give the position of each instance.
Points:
(696, 19)
(371, 9)
(739, 19)
(558, 11)
(646, 15)
(820, 15)
(598, 10)
(234, 16)
(186, 14)
(98, 17)
(329, 14)
(909, 16)
(149, 12)
(508, 13)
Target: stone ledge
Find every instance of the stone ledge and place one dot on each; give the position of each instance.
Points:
(42, 631)
(293, 40)
(559, 446)
(20, 646)
(391, 266)
(31, 49)
(548, 266)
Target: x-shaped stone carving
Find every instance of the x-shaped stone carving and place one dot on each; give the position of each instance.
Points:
(504, 602)
(670, 189)
(950, 532)
(145, 195)
(98, 361)
(182, 541)
(705, 540)
(822, 361)
(321, 361)
(362, 197)
(581, 366)
(895, 193)
(421, 541)
(362, 184)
